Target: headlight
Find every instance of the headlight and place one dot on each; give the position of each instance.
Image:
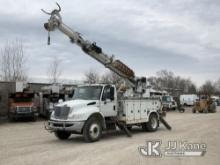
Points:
(52, 114)
(34, 109)
(75, 116)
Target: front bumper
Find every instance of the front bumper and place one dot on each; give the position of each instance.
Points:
(167, 106)
(23, 115)
(69, 126)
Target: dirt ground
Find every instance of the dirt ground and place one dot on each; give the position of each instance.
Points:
(28, 143)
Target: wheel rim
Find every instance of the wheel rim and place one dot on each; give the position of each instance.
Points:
(153, 122)
(94, 131)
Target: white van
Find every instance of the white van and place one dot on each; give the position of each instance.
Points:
(188, 99)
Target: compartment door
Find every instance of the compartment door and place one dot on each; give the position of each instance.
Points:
(144, 105)
(129, 110)
(137, 109)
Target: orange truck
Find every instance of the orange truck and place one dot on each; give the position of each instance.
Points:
(23, 104)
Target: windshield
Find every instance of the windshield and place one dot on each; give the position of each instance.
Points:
(88, 93)
(166, 99)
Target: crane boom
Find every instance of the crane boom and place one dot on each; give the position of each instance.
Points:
(90, 48)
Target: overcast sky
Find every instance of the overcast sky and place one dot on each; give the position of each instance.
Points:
(182, 36)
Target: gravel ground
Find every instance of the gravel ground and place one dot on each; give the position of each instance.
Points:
(27, 143)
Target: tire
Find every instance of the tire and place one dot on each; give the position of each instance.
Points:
(212, 108)
(34, 119)
(11, 118)
(181, 110)
(129, 127)
(152, 124)
(194, 110)
(92, 130)
(62, 135)
(205, 110)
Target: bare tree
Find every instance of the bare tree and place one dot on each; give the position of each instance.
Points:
(55, 70)
(166, 80)
(13, 62)
(92, 76)
(111, 78)
(217, 86)
(208, 88)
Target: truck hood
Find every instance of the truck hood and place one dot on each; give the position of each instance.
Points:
(22, 104)
(77, 103)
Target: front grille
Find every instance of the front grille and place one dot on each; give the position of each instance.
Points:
(23, 109)
(62, 125)
(58, 125)
(61, 112)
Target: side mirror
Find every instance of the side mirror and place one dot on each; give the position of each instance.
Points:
(60, 101)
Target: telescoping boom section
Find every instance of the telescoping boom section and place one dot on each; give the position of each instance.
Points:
(90, 48)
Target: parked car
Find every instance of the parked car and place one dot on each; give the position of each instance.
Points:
(169, 103)
(216, 99)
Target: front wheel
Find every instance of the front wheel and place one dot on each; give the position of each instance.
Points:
(92, 130)
(62, 135)
(34, 118)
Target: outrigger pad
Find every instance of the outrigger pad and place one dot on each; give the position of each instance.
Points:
(125, 129)
(165, 123)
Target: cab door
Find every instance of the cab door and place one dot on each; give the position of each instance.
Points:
(108, 101)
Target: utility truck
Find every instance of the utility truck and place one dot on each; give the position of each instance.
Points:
(23, 103)
(51, 95)
(188, 99)
(101, 107)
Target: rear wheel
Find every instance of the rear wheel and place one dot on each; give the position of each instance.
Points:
(181, 110)
(92, 130)
(62, 135)
(129, 127)
(152, 124)
(213, 108)
(194, 110)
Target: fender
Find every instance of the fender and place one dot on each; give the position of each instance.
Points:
(83, 114)
(100, 117)
(154, 112)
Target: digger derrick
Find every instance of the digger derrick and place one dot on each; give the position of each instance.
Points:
(123, 107)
